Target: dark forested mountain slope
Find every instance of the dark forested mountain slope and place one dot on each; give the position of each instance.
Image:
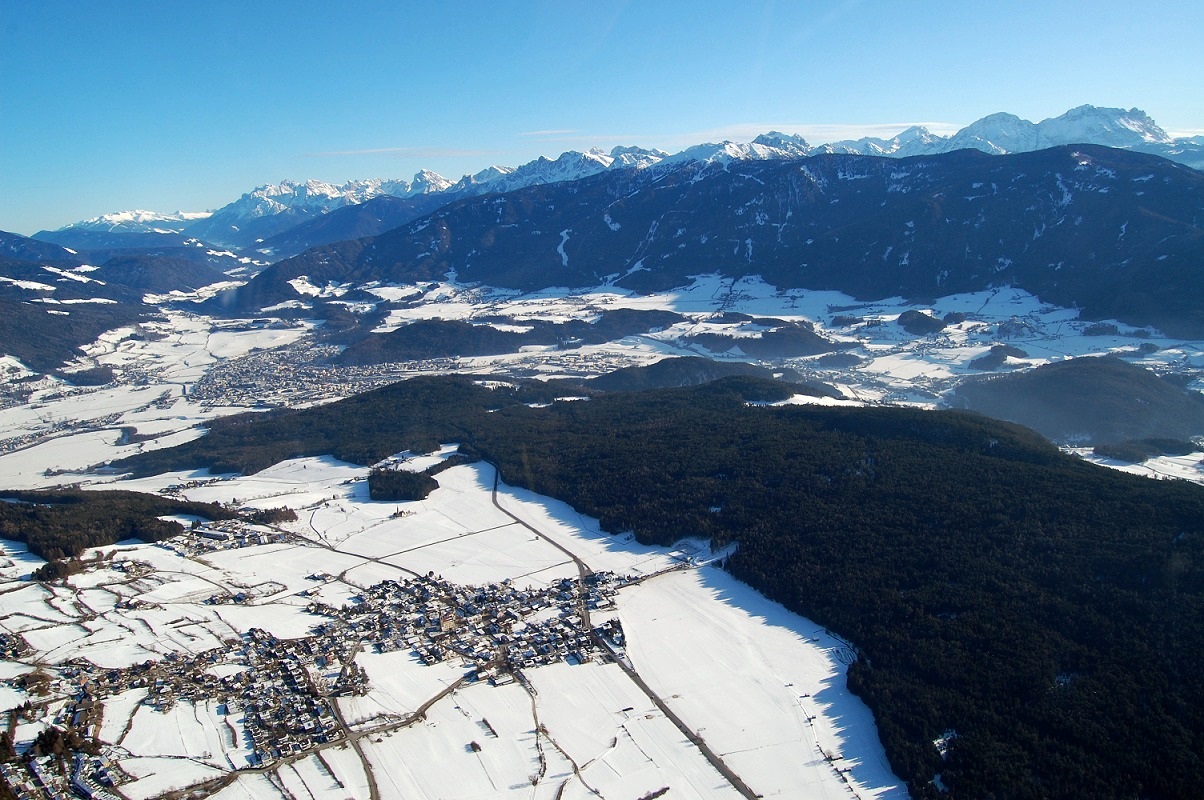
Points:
(157, 273)
(369, 218)
(1115, 232)
(43, 337)
(23, 248)
(447, 338)
(672, 372)
(49, 309)
(1090, 401)
(90, 240)
(1046, 610)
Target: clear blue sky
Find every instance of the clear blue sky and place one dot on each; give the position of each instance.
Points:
(108, 106)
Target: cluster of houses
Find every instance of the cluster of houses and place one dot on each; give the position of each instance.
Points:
(305, 373)
(227, 534)
(56, 428)
(299, 373)
(280, 724)
(42, 777)
(12, 646)
(285, 705)
(22, 782)
(91, 778)
(167, 682)
(178, 489)
(569, 361)
(18, 393)
(498, 625)
(284, 687)
(45, 782)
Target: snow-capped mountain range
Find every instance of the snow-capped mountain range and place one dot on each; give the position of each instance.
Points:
(319, 196)
(270, 210)
(138, 221)
(1104, 230)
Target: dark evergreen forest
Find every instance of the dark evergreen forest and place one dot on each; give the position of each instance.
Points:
(62, 524)
(1047, 610)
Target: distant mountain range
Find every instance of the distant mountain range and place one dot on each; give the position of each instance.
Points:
(1115, 233)
(1108, 228)
(287, 218)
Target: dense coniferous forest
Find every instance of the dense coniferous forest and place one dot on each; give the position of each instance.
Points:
(1048, 611)
(400, 485)
(1136, 450)
(671, 372)
(446, 338)
(62, 524)
(784, 341)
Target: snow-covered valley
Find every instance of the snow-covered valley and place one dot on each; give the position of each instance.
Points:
(710, 690)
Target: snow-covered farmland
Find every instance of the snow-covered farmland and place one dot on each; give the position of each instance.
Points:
(762, 688)
(524, 738)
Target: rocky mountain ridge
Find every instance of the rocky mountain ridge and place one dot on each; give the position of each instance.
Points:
(1114, 233)
(261, 218)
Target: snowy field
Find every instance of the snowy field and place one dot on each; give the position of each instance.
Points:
(763, 688)
(531, 738)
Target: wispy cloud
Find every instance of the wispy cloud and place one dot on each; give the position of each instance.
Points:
(414, 152)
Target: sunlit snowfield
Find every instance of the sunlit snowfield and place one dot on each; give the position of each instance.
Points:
(765, 689)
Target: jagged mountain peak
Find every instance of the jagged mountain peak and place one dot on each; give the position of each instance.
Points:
(788, 142)
(426, 181)
(764, 148)
(291, 203)
(487, 175)
(638, 157)
(915, 132)
(915, 135)
(621, 150)
(997, 133)
(1114, 127)
(595, 154)
(570, 165)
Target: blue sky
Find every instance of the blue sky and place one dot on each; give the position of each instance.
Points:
(118, 105)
